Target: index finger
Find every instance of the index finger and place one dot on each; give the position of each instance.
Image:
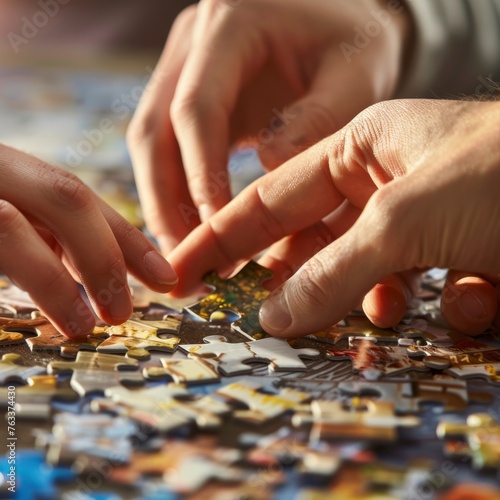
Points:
(296, 195)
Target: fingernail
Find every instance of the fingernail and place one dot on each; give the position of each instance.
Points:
(472, 307)
(206, 211)
(274, 314)
(159, 269)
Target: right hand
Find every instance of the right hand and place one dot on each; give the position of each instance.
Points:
(54, 232)
(284, 72)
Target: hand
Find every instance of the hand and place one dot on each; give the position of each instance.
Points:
(407, 184)
(54, 230)
(282, 74)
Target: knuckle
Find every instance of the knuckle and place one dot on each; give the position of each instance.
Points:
(54, 277)
(143, 127)
(184, 108)
(125, 232)
(9, 216)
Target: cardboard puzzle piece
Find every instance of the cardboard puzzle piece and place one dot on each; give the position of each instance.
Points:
(358, 327)
(362, 418)
(409, 396)
(185, 466)
(233, 359)
(482, 435)
(11, 329)
(243, 294)
(163, 407)
(185, 371)
(12, 371)
(99, 436)
(34, 478)
(137, 337)
(374, 361)
(261, 406)
(49, 339)
(94, 372)
(431, 334)
(34, 400)
(466, 359)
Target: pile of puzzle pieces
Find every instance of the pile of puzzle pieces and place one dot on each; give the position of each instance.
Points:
(201, 403)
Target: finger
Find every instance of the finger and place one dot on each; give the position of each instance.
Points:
(469, 302)
(325, 289)
(220, 62)
(166, 204)
(62, 203)
(283, 202)
(141, 257)
(288, 254)
(30, 263)
(496, 321)
(386, 303)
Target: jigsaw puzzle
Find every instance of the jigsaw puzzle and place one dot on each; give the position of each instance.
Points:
(11, 370)
(163, 407)
(95, 372)
(242, 294)
(233, 359)
(185, 371)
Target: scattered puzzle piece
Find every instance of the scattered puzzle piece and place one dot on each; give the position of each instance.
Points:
(242, 294)
(11, 370)
(95, 372)
(232, 359)
(262, 406)
(362, 419)
(99, 436)
(160, 407)
(482, 434)
(185, 371)
(432, 334)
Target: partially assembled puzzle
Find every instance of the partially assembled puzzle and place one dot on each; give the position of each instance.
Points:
(201, 403)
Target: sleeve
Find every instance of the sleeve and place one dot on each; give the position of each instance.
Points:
(456, 48)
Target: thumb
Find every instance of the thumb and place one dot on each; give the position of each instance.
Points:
(331, 283)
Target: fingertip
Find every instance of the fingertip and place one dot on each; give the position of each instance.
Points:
(274, 315)
(160, 270)
(385, 304)
(469, 305)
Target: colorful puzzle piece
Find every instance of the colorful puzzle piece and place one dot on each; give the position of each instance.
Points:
(12, 371)
(95, 372)
(49, 339)
(232, 359)
(262, 406)
(432, 334)
(185, 371)
(8, 327)
(361, 419)
(137, 337)
(482, 434)
(242, 294)
(99, 436)
(373, 361)
(161, 408)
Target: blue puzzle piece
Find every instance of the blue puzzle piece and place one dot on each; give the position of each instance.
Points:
(34, 479)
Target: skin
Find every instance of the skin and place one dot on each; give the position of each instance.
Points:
(405, 185)
(55, 232)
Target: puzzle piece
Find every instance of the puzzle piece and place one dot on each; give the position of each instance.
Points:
(361, 419)
(432, 334)
(373, 361)
(8, 335)
(262, 406)
(185, 371)
(137, 337)
(232, 358)
(33, 400)
(34, 478)
(161, 407)
(11, 370)
(482, 434)
(98, 436)
(242, 294)
(408, 396)
(49, 339)
(356, 327)
(95, 372)
(467, 358)
(184, 465)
